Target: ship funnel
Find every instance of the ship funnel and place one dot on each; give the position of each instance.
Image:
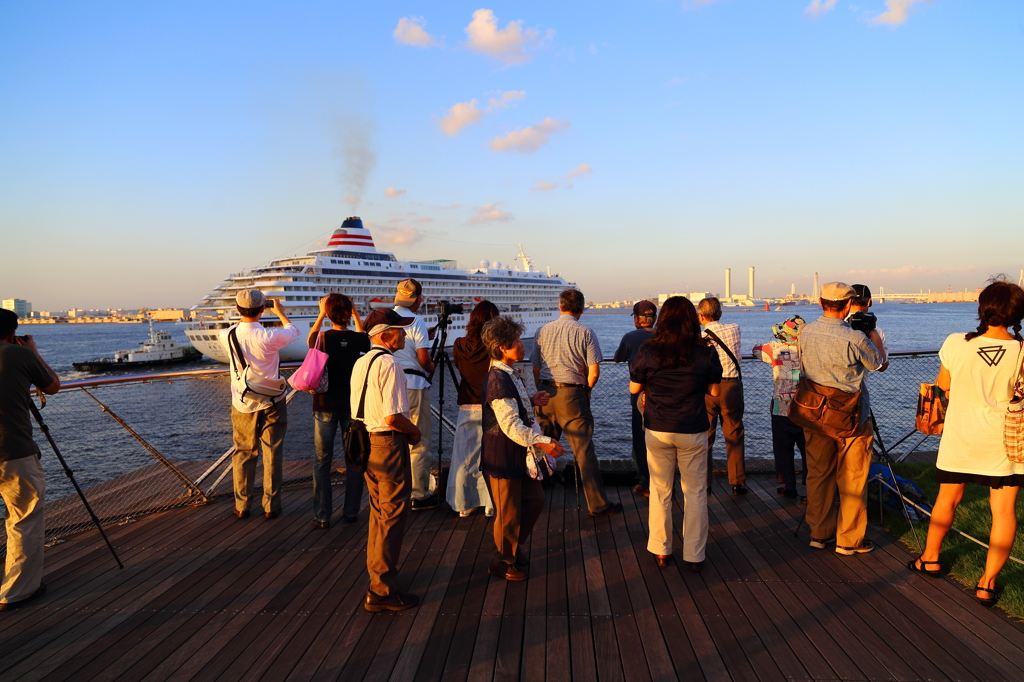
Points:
(351, 236)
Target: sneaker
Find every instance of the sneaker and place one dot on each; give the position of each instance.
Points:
(740, 489)
(821, 544)
(426, 503)
(40, 591)
(612, 508)
(489, 512)
(864, 547)
(508, 571)
(466, 514)
(641, 489)
(393, 602)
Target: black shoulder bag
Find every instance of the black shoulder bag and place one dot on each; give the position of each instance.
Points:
(357, 438)
(714, 337)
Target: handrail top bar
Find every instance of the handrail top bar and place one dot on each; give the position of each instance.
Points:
(223, 369)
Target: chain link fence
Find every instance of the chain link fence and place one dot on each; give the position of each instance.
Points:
(144, 444)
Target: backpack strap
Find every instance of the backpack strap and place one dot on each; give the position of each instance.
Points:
(366, 383)
(235, 349)
(714, 337)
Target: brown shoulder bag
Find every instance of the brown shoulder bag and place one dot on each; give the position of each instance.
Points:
(830, 411)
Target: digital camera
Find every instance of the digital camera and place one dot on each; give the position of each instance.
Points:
(863, 321)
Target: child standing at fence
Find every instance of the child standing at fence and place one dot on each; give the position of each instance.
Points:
(784, 357)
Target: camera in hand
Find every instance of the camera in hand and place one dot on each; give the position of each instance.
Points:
(863, 321)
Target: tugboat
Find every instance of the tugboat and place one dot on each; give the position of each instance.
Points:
(160, 349)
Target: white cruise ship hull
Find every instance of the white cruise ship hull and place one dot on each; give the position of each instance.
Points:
(350, 264)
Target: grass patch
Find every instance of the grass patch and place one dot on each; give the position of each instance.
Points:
(961, 558)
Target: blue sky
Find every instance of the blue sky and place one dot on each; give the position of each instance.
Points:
(150, 149)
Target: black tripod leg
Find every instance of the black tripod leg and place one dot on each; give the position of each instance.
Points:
(895, 483)
(71, 477)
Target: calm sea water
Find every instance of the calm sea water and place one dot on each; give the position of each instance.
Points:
(907, 327)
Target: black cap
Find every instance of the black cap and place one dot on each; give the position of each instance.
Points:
(861, 291)
(645, 308)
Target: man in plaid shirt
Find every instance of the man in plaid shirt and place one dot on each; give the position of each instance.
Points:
(728, 404)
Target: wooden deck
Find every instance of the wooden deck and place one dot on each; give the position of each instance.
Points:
(205, 596)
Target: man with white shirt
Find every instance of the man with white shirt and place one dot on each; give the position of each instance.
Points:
(414, 357)
(379, 388)
(257, 419)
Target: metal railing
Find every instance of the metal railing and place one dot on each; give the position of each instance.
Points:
(146, 443)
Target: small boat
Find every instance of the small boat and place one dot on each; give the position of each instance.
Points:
(160, 349)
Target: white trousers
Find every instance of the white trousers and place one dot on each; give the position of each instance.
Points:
(23, 489)
(467, 488)
(419, 414)
(687, 451)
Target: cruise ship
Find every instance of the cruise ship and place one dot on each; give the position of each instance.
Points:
(351, 264)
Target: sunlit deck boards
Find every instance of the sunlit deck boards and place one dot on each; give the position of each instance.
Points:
(204, 596)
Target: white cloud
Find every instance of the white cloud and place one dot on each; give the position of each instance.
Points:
(507, 44)
(350, 199)
(398, 236)
(544, 186)
(424, 219)
(580, 171)
(896, 12)
(529, 139)
(460, 116)
(392, 192)
(818, 8)
(490, 213)
(465, 114)
(410, 31)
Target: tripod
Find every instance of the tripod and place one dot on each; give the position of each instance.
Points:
(442, 363)
(67, 472)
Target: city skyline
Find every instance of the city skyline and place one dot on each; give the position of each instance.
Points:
(640, 149)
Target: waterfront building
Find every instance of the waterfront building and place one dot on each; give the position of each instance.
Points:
(21, 307)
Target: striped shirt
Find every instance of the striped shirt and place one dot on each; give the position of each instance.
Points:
(564, 349)
(730, 336)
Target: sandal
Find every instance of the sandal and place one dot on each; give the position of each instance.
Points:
(987, 601)
(919, 565)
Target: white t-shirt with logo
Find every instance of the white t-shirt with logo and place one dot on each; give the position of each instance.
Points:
(982, 372)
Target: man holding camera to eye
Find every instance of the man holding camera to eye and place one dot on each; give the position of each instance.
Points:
(837, 356)
(414, 357)
(21, 475)
(864, 321)
(257, 419)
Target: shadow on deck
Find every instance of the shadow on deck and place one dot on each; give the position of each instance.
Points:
(205, 596)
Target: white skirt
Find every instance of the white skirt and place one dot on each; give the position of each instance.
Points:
(466, 486)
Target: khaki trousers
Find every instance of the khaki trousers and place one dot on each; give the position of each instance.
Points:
(387, 480)
(665, 453)
(23, 489)
(727, 406)
(568, 412)
(517, 506)
(419, 414)
(838, 464)
(252, 430)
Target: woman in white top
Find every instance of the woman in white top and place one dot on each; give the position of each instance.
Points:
(978, 372)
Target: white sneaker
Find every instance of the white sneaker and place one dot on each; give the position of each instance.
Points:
(488, 512)
(465, 514)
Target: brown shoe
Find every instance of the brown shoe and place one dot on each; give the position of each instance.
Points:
(40, 591)
(272, 515)
(663, 560)
(392, 602)
(241, 513)
(510, 572)
(695, 566)
(641, 489)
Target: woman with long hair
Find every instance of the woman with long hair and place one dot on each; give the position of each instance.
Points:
(467, 490)
(978, 371)
(331, 410)
(674, 371)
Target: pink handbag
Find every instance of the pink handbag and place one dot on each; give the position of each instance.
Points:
(312, 375)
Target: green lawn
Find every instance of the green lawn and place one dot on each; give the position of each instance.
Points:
(961, 558)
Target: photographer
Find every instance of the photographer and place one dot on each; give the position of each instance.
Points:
(414, 357)
(836, 356)
(21, 475)
(864, 321)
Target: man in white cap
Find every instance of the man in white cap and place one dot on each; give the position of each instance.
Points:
(385, 411)
(835, 355)
(414, 357)
(257, 416)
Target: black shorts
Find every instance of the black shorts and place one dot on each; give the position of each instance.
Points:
(956, 477)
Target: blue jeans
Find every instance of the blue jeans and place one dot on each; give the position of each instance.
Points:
(325, 428)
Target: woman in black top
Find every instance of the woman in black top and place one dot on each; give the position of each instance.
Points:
(466, 487)
(331, 409)
(512, 474)
(674, 370)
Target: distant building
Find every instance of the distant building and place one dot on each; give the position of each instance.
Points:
(21, 307)
(168, 314)
(694, 296)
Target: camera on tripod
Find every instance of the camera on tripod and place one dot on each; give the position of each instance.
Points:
(863, 321)
(445, 309)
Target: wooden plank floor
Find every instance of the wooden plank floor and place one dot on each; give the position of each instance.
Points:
(204, 596)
